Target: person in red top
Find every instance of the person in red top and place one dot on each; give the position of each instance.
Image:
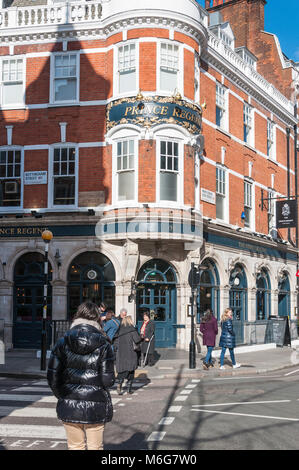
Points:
(209, 329)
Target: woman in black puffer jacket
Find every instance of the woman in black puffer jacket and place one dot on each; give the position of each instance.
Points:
(80, 371)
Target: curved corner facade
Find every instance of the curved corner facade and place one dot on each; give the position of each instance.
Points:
(122, 132)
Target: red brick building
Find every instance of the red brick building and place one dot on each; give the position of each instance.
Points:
(145, 139)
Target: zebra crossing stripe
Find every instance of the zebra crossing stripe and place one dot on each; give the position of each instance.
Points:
(35, 431)
(37, 398)
(27, 412)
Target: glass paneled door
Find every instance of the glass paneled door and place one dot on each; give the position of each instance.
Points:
(238, 301)
(28, 302)
(156, 292)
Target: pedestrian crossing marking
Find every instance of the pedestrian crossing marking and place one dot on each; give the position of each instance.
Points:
(32, 431)
(27, 412)
(156, 436)
(31, 389)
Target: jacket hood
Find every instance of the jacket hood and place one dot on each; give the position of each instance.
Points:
(84, 336)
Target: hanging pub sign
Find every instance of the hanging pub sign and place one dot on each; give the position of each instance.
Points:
(286, 216)
(150, 111)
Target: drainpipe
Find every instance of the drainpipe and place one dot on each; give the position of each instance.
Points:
(296, 194)
(288, 172)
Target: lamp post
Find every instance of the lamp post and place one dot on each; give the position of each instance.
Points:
(47, 237)
(194, 281)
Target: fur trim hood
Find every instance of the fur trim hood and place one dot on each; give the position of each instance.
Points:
(82, 339)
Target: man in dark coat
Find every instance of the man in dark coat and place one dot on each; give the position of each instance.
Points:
(147, 333)
(80, 371)
(125, 342)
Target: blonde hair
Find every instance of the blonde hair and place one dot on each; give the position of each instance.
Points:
(225, 315)
(126, 321)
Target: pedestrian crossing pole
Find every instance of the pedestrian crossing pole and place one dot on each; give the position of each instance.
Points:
(47, 237)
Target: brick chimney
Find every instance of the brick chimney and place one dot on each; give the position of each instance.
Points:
(246, 18)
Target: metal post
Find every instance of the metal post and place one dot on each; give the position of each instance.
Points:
(47, 237)
(44, 321)
(192, 355)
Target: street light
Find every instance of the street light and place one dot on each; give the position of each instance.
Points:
(47, 237)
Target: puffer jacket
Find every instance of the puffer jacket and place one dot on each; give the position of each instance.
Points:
(80, 371)
(227, 338)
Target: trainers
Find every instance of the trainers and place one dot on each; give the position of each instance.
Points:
(236, 366)
(222, 367)
(205, 366)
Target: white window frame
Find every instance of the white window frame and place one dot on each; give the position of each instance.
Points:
(116, 80)
(179, 70)
(222, 191)
(248, 121)
(271, 210)
(196, 78)
(249, 203)
(271, 138)
(170, 136)
(52, 78)
(222, 104)
(120, 136)
(51, 178)
(21, 177)
(17, 104)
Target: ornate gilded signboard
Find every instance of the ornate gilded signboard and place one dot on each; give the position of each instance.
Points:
(151, 111)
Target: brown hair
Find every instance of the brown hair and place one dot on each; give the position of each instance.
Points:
(109, 315)
(87, 310)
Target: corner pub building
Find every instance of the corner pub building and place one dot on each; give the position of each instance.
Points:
(145, 135)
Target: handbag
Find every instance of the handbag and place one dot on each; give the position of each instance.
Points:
(136, 347)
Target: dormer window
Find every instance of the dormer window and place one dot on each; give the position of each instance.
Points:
(224, 32)
(247, 56)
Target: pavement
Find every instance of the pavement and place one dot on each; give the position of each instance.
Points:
(257, 359)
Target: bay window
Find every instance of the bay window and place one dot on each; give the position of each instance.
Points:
(169, 170)
(125, 170)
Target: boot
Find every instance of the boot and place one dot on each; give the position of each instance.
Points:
(130, 385)
(119, 387)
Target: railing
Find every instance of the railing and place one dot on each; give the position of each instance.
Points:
(57, 14)
(59, 327)
(234, 59)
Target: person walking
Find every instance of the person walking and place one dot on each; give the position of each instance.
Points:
(227, 338)
(80, 373)
(111, 325)
(147, 333)
(124, 345)
(209, 329)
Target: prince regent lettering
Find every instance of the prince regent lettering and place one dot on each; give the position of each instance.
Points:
(153, 111)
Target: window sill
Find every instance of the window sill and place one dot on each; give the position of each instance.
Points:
(272, 160)
(249, 147)
(62, 103)
(223, 131)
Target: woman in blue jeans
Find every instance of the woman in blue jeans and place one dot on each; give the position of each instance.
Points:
(227, 338)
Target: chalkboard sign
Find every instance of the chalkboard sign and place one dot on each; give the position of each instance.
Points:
(278, 331)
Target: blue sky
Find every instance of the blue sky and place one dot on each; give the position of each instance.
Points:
(282, 19)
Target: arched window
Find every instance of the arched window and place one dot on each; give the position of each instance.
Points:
(91, 276)
(29, 281)
(263, 295)
(208, 295)
(284, 295)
